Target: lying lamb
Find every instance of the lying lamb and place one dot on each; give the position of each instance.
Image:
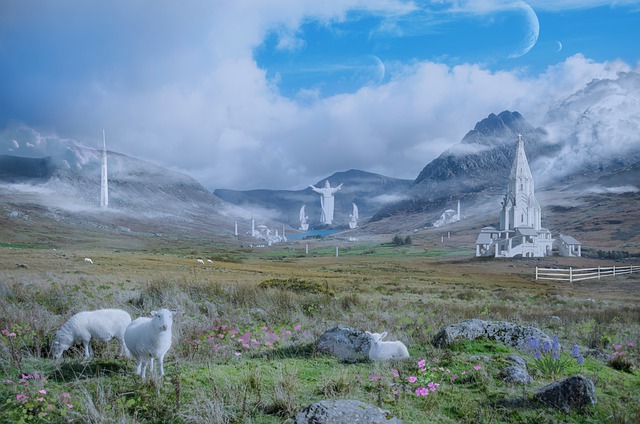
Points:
(149, 338)
(102, 324)
(381, 351)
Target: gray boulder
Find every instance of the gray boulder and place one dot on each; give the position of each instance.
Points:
(517, 371)
(573, 392)
(503, 331)
(347, 344)
(342, 412)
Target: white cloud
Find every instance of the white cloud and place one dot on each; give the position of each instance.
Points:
(197, 101)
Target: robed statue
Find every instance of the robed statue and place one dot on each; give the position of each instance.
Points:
(326, 201)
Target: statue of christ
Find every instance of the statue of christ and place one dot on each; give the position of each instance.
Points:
(326, 201)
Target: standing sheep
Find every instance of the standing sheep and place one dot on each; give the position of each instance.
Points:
(102, 324)
(381, 351)
(149, 338)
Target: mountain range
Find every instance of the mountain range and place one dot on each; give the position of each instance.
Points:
(585, 154)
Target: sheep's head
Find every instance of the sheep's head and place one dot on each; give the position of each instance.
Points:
(163, 319)
(376, 337)
(59, 345)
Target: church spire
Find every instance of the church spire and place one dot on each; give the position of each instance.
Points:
(104, 182)
(520, 207)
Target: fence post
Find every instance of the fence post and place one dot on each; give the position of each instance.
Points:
(598, 272)
(536, 273)
(614, 270)
(571, 274)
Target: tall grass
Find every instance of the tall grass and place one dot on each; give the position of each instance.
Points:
(216, 374)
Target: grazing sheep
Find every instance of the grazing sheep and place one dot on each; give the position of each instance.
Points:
(381, 351)
(149, 338)
(102, 324)
(200, 262)
(88, 260)
(209, 261)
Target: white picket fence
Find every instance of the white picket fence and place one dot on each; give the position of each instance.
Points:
(578, 274)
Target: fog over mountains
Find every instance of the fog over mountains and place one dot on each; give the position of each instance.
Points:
(588, 144)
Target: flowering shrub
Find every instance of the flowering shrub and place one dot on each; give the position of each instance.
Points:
(31, 401)
(225, 340)
(549, 360)
(428, 380)
(14, 338)
(621, 359)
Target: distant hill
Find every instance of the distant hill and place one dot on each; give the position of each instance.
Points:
(367, 190)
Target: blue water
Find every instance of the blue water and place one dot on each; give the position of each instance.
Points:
(312, 233)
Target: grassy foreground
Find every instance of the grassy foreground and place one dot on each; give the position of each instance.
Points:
(244, 338)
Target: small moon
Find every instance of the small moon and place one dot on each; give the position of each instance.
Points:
(533, 31)
(380, 68)
(559, 46)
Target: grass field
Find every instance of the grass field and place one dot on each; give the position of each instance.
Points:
(279, 300)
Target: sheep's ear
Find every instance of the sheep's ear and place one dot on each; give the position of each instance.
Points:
(153, 313)
(367, 333)
(174, 313)
(383, 335)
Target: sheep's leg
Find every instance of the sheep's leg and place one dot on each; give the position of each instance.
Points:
(87, 348)
(151, 364)
(161, 362)
(143, 372)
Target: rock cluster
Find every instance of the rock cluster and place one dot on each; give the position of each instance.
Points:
(347, 344)
(503, 331)
(344, 411)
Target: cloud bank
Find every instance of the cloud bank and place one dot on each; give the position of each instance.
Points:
(179, 85)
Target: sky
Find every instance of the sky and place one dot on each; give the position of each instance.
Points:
(279, 94)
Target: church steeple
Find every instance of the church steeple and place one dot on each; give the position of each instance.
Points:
(520, 207)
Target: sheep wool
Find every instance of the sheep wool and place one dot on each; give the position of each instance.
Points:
(150, 338)
(381, 350)
(101, 324)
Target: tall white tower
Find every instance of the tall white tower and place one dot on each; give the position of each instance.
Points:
(104, 182)
(520, 207)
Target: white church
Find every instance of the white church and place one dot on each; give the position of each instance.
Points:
(521, 233)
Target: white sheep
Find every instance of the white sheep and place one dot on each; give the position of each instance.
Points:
(88, 260)
(381, 351)
(200, 262)
(149, 338)
(102, 324)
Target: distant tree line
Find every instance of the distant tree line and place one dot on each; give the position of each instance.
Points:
(399, 241)
(613, 254)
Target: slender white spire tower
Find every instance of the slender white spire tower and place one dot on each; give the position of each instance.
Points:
(104, 182)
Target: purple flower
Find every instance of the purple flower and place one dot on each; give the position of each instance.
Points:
(575, 351)
(555, 344)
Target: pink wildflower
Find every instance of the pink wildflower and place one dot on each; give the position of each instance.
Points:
(42, 392)
(69, 406)
(40, 399)
(630, 344)
(617, 347)
(297, 327)
(374, 377)
(395, 373)
(422, 363)
(477, 367)
(413, 379)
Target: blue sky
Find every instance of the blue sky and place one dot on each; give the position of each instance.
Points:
(279, 94)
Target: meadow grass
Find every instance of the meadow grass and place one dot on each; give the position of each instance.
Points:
(244, 337)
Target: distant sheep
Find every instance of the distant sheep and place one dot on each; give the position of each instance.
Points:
(381, 351)
(200, 262)
(102, 324)
(149, 338)
(209, 261)
(88, 260)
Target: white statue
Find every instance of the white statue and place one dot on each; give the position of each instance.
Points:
(353, 222)
(303, 220)
(326, 201)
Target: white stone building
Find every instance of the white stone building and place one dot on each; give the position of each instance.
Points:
(521, 233)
